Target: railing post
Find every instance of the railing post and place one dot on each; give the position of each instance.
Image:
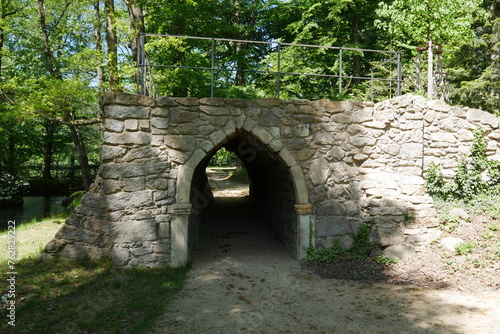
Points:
(340, 71)
(143, 65)
(278, 83)
(372, 84)
(212, 79)
(138, 79)
(400, 75)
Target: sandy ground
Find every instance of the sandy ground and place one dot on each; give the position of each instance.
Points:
(243, 281)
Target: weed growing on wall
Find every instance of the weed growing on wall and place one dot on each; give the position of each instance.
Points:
(475, 174)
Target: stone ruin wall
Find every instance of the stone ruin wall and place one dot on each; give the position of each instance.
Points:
(361, 162)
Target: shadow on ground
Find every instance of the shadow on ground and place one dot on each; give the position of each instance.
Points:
(243, 281)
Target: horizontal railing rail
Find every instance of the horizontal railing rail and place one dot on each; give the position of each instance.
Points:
(146, 83)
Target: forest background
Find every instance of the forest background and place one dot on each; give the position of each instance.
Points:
(58, 56)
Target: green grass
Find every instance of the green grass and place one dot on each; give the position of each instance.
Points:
(84, 296)
(31, 238)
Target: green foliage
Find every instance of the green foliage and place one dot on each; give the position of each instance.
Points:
(475, 174)
(360, 249)
(464, 248)
(385, 260)
(11, 186)
(409, 217)
(434, 182)
(450, 223)
(412, 23)
(223, 157)
(76, 199)
(474, 79)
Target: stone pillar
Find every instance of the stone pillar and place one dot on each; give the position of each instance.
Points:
(306, 229)
(179, 255)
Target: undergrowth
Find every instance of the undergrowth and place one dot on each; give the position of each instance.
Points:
(475, 174)
(359, 250)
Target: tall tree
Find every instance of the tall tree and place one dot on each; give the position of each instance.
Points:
(411, 23)
(55, 35)
(98, 45)
(475, 71)
(112, 43)
(433, 23)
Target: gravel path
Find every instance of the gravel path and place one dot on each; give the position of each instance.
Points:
(243, 281)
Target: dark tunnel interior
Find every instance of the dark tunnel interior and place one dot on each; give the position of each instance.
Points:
(271, 187)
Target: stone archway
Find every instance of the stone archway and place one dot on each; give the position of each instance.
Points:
(277, 183)
(356, 163)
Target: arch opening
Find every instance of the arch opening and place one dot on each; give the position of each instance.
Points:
(272, 194)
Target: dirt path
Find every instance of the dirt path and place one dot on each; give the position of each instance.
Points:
(243, 281)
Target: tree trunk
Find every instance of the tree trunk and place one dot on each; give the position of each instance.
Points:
(495, 51)
(136, 19)
(112, 42)
(98, 44)
(47, 52)
(82, 156)
(56, 73)
(241, 64)
(180, 90)
(48, 145)
(356, 59)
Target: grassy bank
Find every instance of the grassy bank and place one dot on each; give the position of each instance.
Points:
(84, 296)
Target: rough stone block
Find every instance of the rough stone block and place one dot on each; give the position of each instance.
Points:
(112, 152)
(161, 248)
(127, 138)
(362, 141)
(132, 231)
(114, 125)
(77, 234)
(140, 251)
(123, 200)
(160, 122)
(180, 142)
(215, 110)
(263, 135)
(330, 208)
(383, 236)
(213, 101)
(217, 137)
(319, 171)
(134, 100)
(131, 124)
(121, 256)
(333, 226)
(439, 105)
(400, 252)
(187, 101)
(163, 230)
(165, 102)
(92, 223)
(123, 112)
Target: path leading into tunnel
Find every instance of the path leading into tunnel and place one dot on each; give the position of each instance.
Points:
(243, 281)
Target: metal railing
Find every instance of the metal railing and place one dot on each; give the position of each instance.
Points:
(146, 77)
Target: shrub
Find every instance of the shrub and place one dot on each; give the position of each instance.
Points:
(11, 186)
(475, 174)
(360, 249)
